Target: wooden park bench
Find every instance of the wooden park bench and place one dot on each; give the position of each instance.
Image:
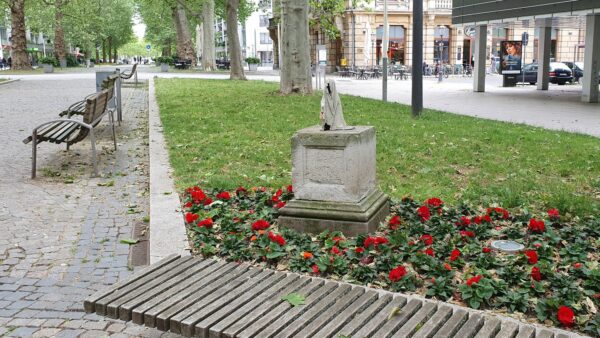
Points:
(182, 64)
(213, 298)
(70, 130)
(127, 74)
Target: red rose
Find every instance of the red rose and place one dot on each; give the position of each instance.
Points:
(224, 195)
(536, 274)
(290, 189)
(466, 233)
(429, 251)
(577, 265)
(315, 269)
(261, 224)
(197, 195)
(207, 223)
(335, 250)
(454, 255)
(279, 205)
(536, 226)
(487, 218)
(474, 280)
(596, 296)
(464, 221)
(424, 213)
(359, 250)
(434, 202)
(486, 250)
(279, 192)
(427, 239)
(241, 191)
(447, 267)
(208, 201)
(276, 238)
(477, 219)
(531, 256)
(190, 217)
(397, 273)
(566, 316)
(188, 205)
(376, 241)
(553, 214)
(394, 222)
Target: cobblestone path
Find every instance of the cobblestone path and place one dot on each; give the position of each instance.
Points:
(60, 233)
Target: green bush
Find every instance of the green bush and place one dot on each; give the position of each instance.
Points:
(72, 61)
(252, 60)
(49, 60)
(164, 59)
(93, 60)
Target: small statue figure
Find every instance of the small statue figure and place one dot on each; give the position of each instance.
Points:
(332, 117)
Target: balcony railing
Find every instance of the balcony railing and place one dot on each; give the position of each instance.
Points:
(443, 4)
(397, 5)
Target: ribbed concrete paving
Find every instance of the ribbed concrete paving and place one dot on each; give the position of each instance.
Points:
(211, 298)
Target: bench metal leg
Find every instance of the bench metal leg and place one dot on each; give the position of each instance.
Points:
(111, 118)
(94, 161)
(33, 153)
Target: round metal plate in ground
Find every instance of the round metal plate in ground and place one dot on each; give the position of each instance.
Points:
(507, 246)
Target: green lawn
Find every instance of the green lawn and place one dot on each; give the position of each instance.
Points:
(224, 134)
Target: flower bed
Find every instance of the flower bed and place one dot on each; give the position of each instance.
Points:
(435, 250)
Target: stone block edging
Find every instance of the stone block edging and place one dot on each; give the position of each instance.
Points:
(8, 81)
(167, 228)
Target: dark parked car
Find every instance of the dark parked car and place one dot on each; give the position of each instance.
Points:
(222, 64)
(559, 73)
(576, 68)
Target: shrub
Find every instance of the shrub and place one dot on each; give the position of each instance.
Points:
(252, 60)
(72, 61)
(164, 59)
(49, 60)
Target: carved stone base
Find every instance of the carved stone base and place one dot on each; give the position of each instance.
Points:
(349, 218)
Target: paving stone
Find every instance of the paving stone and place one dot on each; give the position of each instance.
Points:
(69, 333)
(90, 325)
(93, 334)
(53, 323)
(46, 332)
(22, 332)
(115, 327)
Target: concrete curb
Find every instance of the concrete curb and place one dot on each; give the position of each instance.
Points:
(167, 230)
(8, 81)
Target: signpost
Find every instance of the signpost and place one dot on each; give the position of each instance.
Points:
(524, 42)
(148, 48)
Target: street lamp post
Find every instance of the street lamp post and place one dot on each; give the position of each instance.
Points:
(385, 50)
(441, 60)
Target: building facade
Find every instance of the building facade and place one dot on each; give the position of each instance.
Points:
(361, 35)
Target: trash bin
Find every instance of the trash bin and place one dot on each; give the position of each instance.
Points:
(101, 75)
(509, 80)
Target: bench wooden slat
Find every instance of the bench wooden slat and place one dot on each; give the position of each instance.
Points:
(198, 312)
(398, 320)
(409, 327)
(178, 320)
(90, 302)
(343, 318)
(163, 319)
(216, 323)
(171, 295)
(277, 280)
(316, 318)
(60, 127)
(190, 273)
(315, 287)
(115, 308)
(65, 134)
(365, 316)
(264, 303)
(435, 322)
(453, 324)
(146, 313)
(275, 322)
(101, 304)
(368, 327)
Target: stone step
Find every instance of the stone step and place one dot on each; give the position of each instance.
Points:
(213, 298)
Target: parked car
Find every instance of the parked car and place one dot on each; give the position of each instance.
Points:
(559, 73)
(576, 68)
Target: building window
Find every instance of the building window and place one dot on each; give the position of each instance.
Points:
(265, 39)
(396, 46)
(441, 44)
(264, 21)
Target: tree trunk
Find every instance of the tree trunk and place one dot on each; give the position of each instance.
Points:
(109, 49)
(208, 25)
(185, 46)
(295, 49)
(20, 61)
(104, 50)
(275, 37)
(59, 34)
(115, 53)
(233, 40)
(97, 56)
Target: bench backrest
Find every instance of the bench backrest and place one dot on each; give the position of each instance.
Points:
(109, 84)
(95, 107)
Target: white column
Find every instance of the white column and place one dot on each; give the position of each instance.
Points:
(544, 41)
(479, 54)
(591, 64)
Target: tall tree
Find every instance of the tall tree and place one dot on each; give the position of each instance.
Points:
(208, 29)
(233, 39)
(59, 34)
(20, 61)
(185, 46)
(295, 55)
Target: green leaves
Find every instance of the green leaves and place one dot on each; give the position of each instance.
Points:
(129, 241)
(294, 299)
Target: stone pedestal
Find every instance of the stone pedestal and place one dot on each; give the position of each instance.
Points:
(333, 173)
